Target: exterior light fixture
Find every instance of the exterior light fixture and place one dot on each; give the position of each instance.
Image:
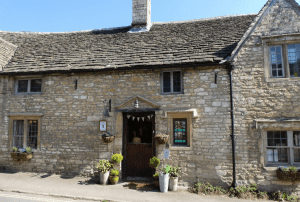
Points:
(136, 103)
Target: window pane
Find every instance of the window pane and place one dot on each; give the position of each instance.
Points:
(277, 155)
(32, 134)
(176, 82)
(36, 85)
(166, 82)
(180, 131)
(22, 86)
(294, 59)
(18, 133)
(276, 61)
(296, 138)
(277, 138)
(296, 155)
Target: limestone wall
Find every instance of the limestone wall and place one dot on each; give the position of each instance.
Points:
(70, 137)
(258, 97)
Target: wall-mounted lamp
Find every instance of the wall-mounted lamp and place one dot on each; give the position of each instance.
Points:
(216, 77)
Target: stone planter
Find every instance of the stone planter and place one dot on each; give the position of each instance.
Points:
(104, 178)
(163, 182)
(21, 156)
(108, 139)
(113, 179)
(173, 184)
(162, 139)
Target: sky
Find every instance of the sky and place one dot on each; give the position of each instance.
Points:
(77, 15)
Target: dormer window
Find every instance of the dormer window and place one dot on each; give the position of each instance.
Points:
(24, 86)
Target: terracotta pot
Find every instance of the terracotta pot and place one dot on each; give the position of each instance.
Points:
(108, 139)
(173, 184)
(104, 178)
(113, 179)
(156, 182)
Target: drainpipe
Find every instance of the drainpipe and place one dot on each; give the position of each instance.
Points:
(232, 136)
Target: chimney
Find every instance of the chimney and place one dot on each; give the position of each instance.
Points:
(141, 15)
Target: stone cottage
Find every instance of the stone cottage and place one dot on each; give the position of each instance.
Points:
(61, 91)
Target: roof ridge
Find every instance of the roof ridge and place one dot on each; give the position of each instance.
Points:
(204, 19)
(8, 43)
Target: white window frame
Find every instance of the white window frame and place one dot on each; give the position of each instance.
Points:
(171, 75)
(290, 146)
(29, 85)
(282, 61)
(24, 117)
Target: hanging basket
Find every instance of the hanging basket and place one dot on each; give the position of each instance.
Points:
(290, 176)
(108, 139)
(162, 139)
(21, 156)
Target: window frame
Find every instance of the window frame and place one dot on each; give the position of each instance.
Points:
(290, 146)
(28, 86)
(24, 117)
(180, 115)
(283, 41)
(171, 75)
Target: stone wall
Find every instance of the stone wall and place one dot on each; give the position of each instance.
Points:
(256, 97)
(70, 139)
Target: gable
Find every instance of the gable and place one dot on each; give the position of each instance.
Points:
(277, 17)
(143, 103)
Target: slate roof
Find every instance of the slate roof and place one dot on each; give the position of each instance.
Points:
(181, 43)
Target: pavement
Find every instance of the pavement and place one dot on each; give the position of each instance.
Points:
(82, 188)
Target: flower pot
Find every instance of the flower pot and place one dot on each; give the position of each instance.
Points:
(108, 139)
(173, 184)
(104, 178)
(21, 156)
(156, 182)
(113, 179)
(163, 182)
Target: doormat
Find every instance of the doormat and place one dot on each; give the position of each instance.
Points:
(142, 186)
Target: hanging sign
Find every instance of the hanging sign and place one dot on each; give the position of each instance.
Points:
(166, 153)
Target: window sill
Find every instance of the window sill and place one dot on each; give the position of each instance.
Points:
(277, 80)
(172, 93)
(176, 148)
(38, 93)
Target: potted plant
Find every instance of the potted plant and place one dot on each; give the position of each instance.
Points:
(116, 158)
(164, 179)
(290, 173)
(161, 138)
(107, 137)
(174, 174)
(156, 179)
(21, 154)
(114, 176)
(104, 167)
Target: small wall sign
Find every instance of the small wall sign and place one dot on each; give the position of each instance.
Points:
(102, 126)
(166, 153)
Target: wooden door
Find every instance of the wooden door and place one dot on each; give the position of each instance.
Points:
(138, 143)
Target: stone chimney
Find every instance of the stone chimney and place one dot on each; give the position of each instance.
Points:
(141, 15)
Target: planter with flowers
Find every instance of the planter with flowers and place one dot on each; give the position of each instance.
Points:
(291, 173)
(21, 154)
(154, 163)
(161, 138)
(174, 174)
(164, 179)
(114, 176)
(107, 137)
(104, 167)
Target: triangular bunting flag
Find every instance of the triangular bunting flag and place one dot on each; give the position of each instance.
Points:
(138, 118)
(148, 117)
(151, 115)
(128, 116)
(133, 118)
(143, 118)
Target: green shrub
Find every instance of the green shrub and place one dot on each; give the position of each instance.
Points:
(114, 172)
(15, 149)
(116, 158)
(207, 188)
(156, 176)
(293, 168)
(165, 170)
(154, 162)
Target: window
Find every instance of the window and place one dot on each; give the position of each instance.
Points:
(180, 131)
(284, 60)
(24, 130)
(29, 86)
(283, 147)
(171, 82)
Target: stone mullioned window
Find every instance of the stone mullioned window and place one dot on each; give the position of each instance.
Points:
(28, 85)
(171, 82)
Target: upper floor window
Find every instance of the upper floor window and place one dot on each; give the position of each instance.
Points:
(29, 86)
(285, 60)
(171, 82)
